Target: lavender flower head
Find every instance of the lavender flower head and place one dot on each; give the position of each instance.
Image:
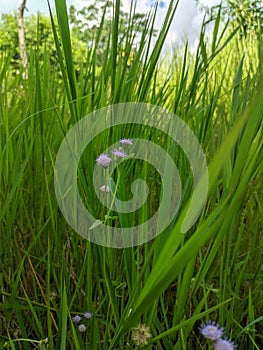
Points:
(88, 315)
(126, 141)
(119, 154)
(82, 328)
(211, 330)
(76, 319)
(103, 160)
(224, 344)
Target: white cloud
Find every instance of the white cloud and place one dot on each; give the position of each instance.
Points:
(32, 6)
(6, 6)
(210, 3)
(186, 23)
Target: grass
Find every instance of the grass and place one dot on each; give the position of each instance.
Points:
(48, 273)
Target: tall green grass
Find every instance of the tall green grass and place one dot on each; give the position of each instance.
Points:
(48, 273)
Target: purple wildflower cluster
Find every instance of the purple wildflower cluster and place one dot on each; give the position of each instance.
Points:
(126, 142)
(81, 320)
(104, 160)
(214, 332)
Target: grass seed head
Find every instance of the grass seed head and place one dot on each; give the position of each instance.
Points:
(141, 335)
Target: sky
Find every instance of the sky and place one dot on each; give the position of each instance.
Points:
(186, 23)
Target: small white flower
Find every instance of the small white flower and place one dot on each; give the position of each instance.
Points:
(105, 188)
(82, 328)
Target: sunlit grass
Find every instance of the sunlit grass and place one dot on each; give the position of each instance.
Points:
(48, 273)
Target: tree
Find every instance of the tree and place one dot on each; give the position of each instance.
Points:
(39, 41)
(97, 18)
(85, 25)
(21, 38)
(247, 14)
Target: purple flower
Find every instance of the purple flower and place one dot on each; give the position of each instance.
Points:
(119, 154)
(103, 160)
(76, 319)
(88, 315)
(82, 328)
(211, 330)
(126, 141)
(224, 344)
(105, 188)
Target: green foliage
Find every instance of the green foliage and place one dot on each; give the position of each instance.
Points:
(48, 273)
(39, 40)
(96, 19)
(90, 24)
(9, 37)
(247, 14)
